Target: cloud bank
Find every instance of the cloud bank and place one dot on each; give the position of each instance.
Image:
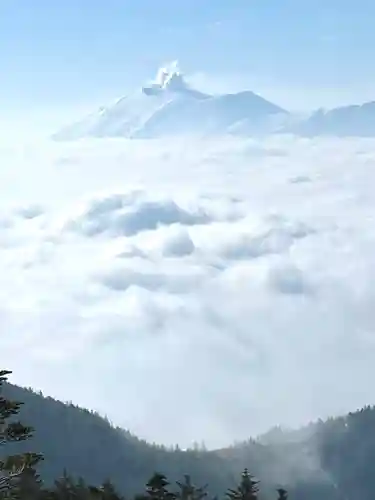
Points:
(194, 291)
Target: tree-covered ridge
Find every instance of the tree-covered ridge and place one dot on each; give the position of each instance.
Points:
(86, 444)
(327, 460)
(19, 478)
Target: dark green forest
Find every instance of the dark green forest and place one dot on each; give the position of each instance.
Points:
(65, 451)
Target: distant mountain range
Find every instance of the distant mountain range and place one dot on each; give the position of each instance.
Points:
(168, 106)
(354, 120)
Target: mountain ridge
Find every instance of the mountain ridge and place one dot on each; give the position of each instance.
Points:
(169, 106)
(313, 462)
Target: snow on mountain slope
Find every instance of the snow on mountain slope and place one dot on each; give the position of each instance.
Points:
(215, 114)
(354, 120)
(169, 106)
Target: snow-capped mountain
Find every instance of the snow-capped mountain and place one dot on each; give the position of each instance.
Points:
(170, 106)
(354, 120)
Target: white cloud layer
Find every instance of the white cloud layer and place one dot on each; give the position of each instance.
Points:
(194, 291)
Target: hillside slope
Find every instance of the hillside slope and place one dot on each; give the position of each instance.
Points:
(316, 462)
(89, 446)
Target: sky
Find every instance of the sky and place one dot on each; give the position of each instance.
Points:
(63, 58)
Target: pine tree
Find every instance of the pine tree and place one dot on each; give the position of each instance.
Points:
(108, 491)
(190, 492)
(283, 494)
(28, 483)
(156, 489)
(65, 487)
(15, 470)
(247, 490)
(82, 490)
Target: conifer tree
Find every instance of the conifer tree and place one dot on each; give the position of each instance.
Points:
(28, 483)
(16, 470)
(157, 489)
(190, 492)
(283, 494)
(247, 490)
(108, 491)
(65, 487)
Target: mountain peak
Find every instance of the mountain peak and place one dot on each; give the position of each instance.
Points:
(169, 106)
(169, 79)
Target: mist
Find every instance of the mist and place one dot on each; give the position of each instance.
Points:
(194, 291)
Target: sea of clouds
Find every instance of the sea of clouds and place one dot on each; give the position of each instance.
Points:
(194, 290)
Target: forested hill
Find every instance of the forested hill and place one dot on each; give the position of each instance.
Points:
(328, 460)
(87, 445)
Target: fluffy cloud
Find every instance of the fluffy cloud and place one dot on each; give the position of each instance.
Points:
(221, 287)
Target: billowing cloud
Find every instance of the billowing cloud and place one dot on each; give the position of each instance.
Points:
(220, 287)
(169, 76)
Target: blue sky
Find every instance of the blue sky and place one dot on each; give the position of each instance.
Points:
(70, 54)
